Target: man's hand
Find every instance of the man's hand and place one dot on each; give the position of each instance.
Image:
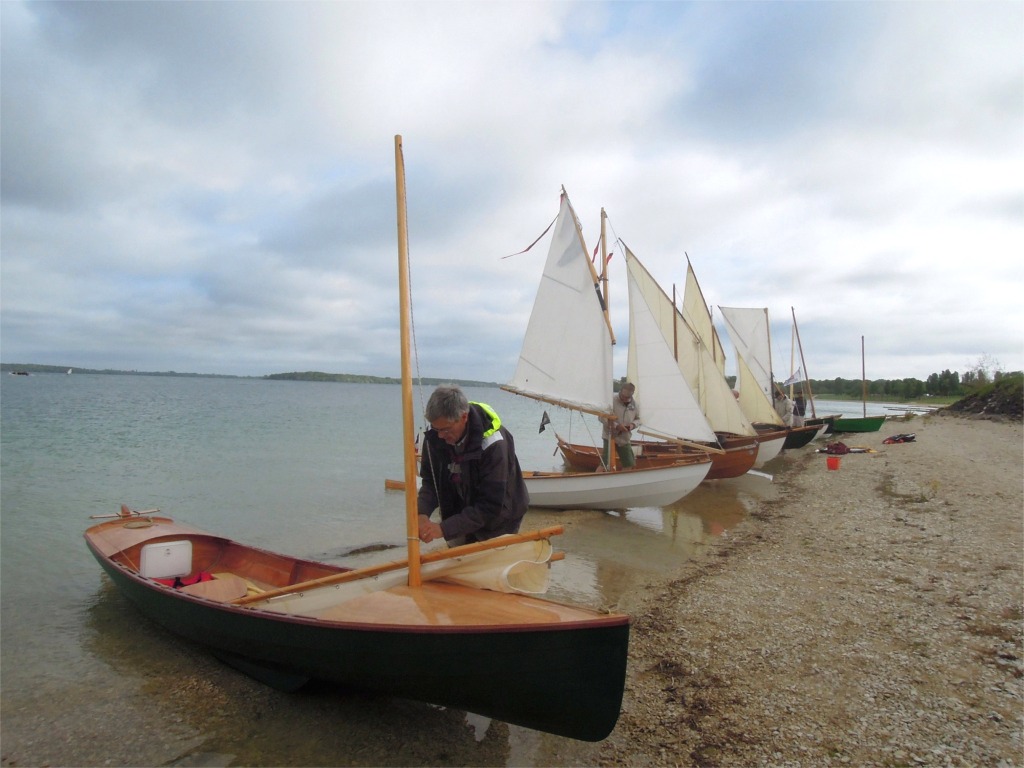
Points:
(429, 530)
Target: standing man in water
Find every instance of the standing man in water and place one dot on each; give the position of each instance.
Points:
(619, 429)
(469, 471)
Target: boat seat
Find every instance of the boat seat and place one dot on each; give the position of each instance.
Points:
(223, 587)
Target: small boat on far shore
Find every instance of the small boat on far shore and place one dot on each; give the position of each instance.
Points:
(862, 423)
(857, 424)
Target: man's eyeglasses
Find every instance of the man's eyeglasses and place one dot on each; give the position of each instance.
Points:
(449, 428)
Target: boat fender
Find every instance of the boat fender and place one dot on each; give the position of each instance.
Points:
(177, 582)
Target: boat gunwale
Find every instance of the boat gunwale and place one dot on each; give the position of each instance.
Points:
(592, 618)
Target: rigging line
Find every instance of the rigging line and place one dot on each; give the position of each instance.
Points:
(534, 242)
(617, 242)
(600, 452)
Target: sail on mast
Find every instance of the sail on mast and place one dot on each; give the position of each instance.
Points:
(566, 358)
(669, 406)
(703, 362)
(749, 331)
(695, 311)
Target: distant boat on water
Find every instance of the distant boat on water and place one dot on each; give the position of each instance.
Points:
(69, 371)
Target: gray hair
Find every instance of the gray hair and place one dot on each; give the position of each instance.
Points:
(446, 402)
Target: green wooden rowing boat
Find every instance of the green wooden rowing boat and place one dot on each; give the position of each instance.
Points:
(857, 424)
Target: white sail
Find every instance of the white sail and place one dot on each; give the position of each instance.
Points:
(703, 363)
(669, 406)
(695, 312)
(566, 357)
(749, 330)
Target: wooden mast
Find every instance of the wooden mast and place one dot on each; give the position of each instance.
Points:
(613, 452)
(803, 364)
(405, 314)
(604, 269)
(863, 380)
(771, 371)
(792, 355)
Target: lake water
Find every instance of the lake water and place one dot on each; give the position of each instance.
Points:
(295, 467)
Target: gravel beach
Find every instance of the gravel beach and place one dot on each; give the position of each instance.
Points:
(868, 616)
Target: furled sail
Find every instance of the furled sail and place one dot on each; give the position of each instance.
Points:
(566, 358)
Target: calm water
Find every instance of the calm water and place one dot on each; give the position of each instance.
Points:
(292, 466)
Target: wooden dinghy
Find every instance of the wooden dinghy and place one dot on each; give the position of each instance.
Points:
(461, 627)
(285, 620)
(738, 456)
(857, 424)
(652, 486)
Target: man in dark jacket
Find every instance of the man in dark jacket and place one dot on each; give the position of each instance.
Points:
(469, 470)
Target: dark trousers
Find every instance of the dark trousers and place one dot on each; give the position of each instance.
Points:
(624, 452)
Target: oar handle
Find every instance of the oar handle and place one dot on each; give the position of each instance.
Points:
(430, 557)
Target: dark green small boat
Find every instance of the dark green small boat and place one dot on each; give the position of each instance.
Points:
(561, 668)
(858, 424)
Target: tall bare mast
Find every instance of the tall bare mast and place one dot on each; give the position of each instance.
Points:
(803, 365)
(405, 312)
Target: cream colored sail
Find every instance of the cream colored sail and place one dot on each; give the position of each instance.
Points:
(702, 361)
(566, 358)
(669, 408)
(695, 311)
(748, 329)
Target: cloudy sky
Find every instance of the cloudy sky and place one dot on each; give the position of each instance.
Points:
(210, 187)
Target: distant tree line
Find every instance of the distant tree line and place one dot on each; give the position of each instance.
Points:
(355, 378)
(945, 384)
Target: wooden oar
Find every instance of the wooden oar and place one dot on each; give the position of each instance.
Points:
(394, 565)
(680, 441)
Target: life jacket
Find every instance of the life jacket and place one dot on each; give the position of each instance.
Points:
(495, 420)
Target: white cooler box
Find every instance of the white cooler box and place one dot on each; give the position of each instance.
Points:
(166, 560)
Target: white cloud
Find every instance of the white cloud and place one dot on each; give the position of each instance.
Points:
(209, 186)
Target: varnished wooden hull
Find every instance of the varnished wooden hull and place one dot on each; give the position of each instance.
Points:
(554, 668)
(739, 457)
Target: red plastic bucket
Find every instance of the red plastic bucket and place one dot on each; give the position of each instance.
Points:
(832, 461)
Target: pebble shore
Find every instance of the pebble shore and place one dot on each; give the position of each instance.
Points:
(869, 616)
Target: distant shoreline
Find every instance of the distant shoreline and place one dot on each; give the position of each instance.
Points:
(319, 376)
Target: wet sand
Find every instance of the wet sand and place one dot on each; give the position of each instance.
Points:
(870, 615)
